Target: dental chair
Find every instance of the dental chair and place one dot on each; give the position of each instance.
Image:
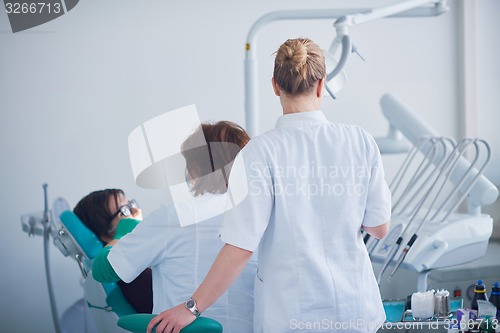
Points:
(105, 301)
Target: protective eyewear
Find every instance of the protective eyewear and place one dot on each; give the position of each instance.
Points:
(125, 210)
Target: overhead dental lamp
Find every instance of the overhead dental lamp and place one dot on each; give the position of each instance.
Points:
(338, 54)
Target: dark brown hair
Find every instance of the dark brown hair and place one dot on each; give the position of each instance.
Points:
(298, 65)
(93, 210)
(209, 165)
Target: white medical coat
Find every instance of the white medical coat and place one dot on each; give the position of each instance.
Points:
(311, 185)
(180, 258)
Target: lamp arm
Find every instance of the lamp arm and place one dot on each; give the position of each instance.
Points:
(342, 24)
(359, 15)
(311, 14)
(346, 52)
(439, 7)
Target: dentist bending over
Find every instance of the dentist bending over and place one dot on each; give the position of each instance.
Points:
(312, 185)
(180, 257)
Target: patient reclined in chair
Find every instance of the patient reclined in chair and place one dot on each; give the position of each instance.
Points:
(106, 301)
(101, 211)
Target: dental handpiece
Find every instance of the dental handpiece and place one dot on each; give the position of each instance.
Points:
(389, 258)
(403, 254)
(371, 244)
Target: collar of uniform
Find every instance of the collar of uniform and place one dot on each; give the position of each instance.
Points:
(301, 119)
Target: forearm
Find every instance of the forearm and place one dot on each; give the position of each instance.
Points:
(226, 268)
(378, 232)
(102, 270)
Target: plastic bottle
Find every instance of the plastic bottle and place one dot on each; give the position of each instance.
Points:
(495, 298)
(479, 294)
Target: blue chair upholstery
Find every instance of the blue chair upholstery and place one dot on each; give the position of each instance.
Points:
(88, 243)
(106, 300)
(137, 323)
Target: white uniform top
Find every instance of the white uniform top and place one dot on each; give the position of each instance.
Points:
(311, 185)
(180, 259)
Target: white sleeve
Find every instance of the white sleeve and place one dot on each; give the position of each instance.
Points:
(246, 222)
(143, 247)
(378, 202)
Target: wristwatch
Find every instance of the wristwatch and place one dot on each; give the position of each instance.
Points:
(191, 306)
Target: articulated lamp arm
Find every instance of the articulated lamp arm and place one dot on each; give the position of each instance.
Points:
(352, 16)
(407, 8)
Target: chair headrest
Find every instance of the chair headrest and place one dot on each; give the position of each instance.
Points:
(84, 238)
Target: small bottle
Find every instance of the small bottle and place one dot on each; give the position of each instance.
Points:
(479, 294)
(495, 298)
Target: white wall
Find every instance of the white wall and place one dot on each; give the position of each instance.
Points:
(73, 89)
(488, 80)
(488, 87)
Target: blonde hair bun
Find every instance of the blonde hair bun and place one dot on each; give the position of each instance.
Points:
(296, 52)
(298, 65)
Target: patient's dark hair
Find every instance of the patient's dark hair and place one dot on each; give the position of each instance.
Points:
(93, 210)
(224, 141)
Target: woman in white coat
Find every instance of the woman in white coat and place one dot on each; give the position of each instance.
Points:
(312, 185)
(181, 256)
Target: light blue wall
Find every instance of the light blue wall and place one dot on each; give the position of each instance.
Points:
(74, 88)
